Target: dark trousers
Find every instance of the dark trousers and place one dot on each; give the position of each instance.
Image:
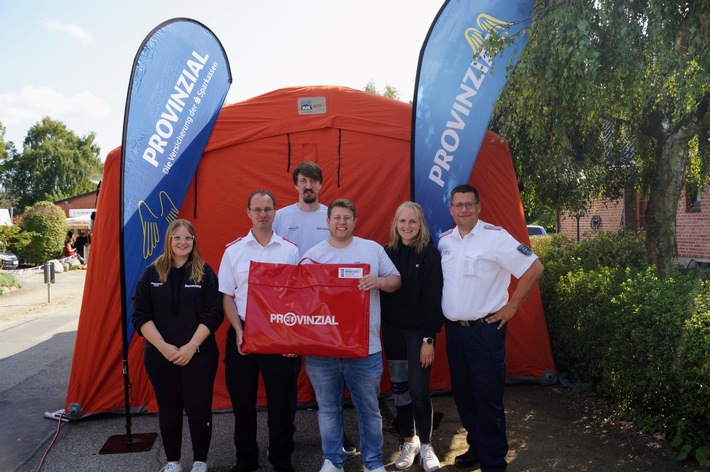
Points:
(242, 379)
(187, 388)
(410, 381)
(297, 363)
(477, 368)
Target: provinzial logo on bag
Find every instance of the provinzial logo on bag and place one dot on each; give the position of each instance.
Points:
(307, 309)
(291, 319)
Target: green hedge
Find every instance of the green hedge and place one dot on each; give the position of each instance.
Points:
(640, 342)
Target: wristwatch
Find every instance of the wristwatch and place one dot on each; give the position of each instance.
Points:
(428, 340)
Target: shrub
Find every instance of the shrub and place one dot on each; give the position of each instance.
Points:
(566, 291)
(7, 233)
(692, 414)
(7, 280)
(581, 328)
(641, 342)
(44, 226)
(19, 241)
(644, 351)
(658, 370)
(622, 249)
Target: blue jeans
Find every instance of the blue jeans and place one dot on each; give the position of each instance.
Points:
(362, 376)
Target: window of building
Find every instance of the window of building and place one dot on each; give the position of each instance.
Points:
(693, 196)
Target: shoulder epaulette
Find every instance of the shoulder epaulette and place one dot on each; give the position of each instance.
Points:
(493, 227)
(235, 241)
(446, 233)
(288, 241)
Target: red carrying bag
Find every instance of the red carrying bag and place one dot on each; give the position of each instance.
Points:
(307, 309)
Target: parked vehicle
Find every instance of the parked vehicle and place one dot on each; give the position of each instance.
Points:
(9, 260)
(534, 230)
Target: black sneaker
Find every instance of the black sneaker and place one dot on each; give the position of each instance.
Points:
(466, 460)
(348, 447)
(242, 467)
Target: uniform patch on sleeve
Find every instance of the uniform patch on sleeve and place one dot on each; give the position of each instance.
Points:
(525, 250)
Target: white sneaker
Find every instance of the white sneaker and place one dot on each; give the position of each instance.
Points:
(430, 462)
(329, 467)
(199, 466)
(172, 467)
(409, 451)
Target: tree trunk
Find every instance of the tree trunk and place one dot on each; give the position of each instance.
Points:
(630, 200)
(666, 186)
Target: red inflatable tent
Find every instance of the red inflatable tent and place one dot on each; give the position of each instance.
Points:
(361, 141)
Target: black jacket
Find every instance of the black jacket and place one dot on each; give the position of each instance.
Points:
(179, 305)
(417, 304)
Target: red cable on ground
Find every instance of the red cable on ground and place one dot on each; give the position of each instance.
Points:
(59, 425)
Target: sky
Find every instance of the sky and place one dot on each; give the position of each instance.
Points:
(72, 60)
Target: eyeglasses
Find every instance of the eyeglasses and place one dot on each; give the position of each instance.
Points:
(460, 206)
(345, 219)
(177, 239)
(266, 210)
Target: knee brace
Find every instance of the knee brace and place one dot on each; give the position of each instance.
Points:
(399, 377)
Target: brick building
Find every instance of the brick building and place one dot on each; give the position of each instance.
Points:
(77, 209)
(78, 204)
(692, 224)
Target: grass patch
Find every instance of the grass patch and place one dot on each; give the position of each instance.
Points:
(7, 280)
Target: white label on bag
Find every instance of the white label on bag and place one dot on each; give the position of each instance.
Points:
(350, 272)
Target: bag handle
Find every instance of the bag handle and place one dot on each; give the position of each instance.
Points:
(307, 259)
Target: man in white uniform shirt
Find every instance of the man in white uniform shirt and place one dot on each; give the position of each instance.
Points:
(477, 260)
(261, 244)
(362, 376)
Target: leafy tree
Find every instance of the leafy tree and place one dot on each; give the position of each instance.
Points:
(3, 145)
(7, 151)
(389, 91)
(55, 163)
(7, 236)
(608, 96)
(12, 238)
(371, 87)
(45, 223)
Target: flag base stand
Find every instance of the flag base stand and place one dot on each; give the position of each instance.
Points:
(121, 443)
